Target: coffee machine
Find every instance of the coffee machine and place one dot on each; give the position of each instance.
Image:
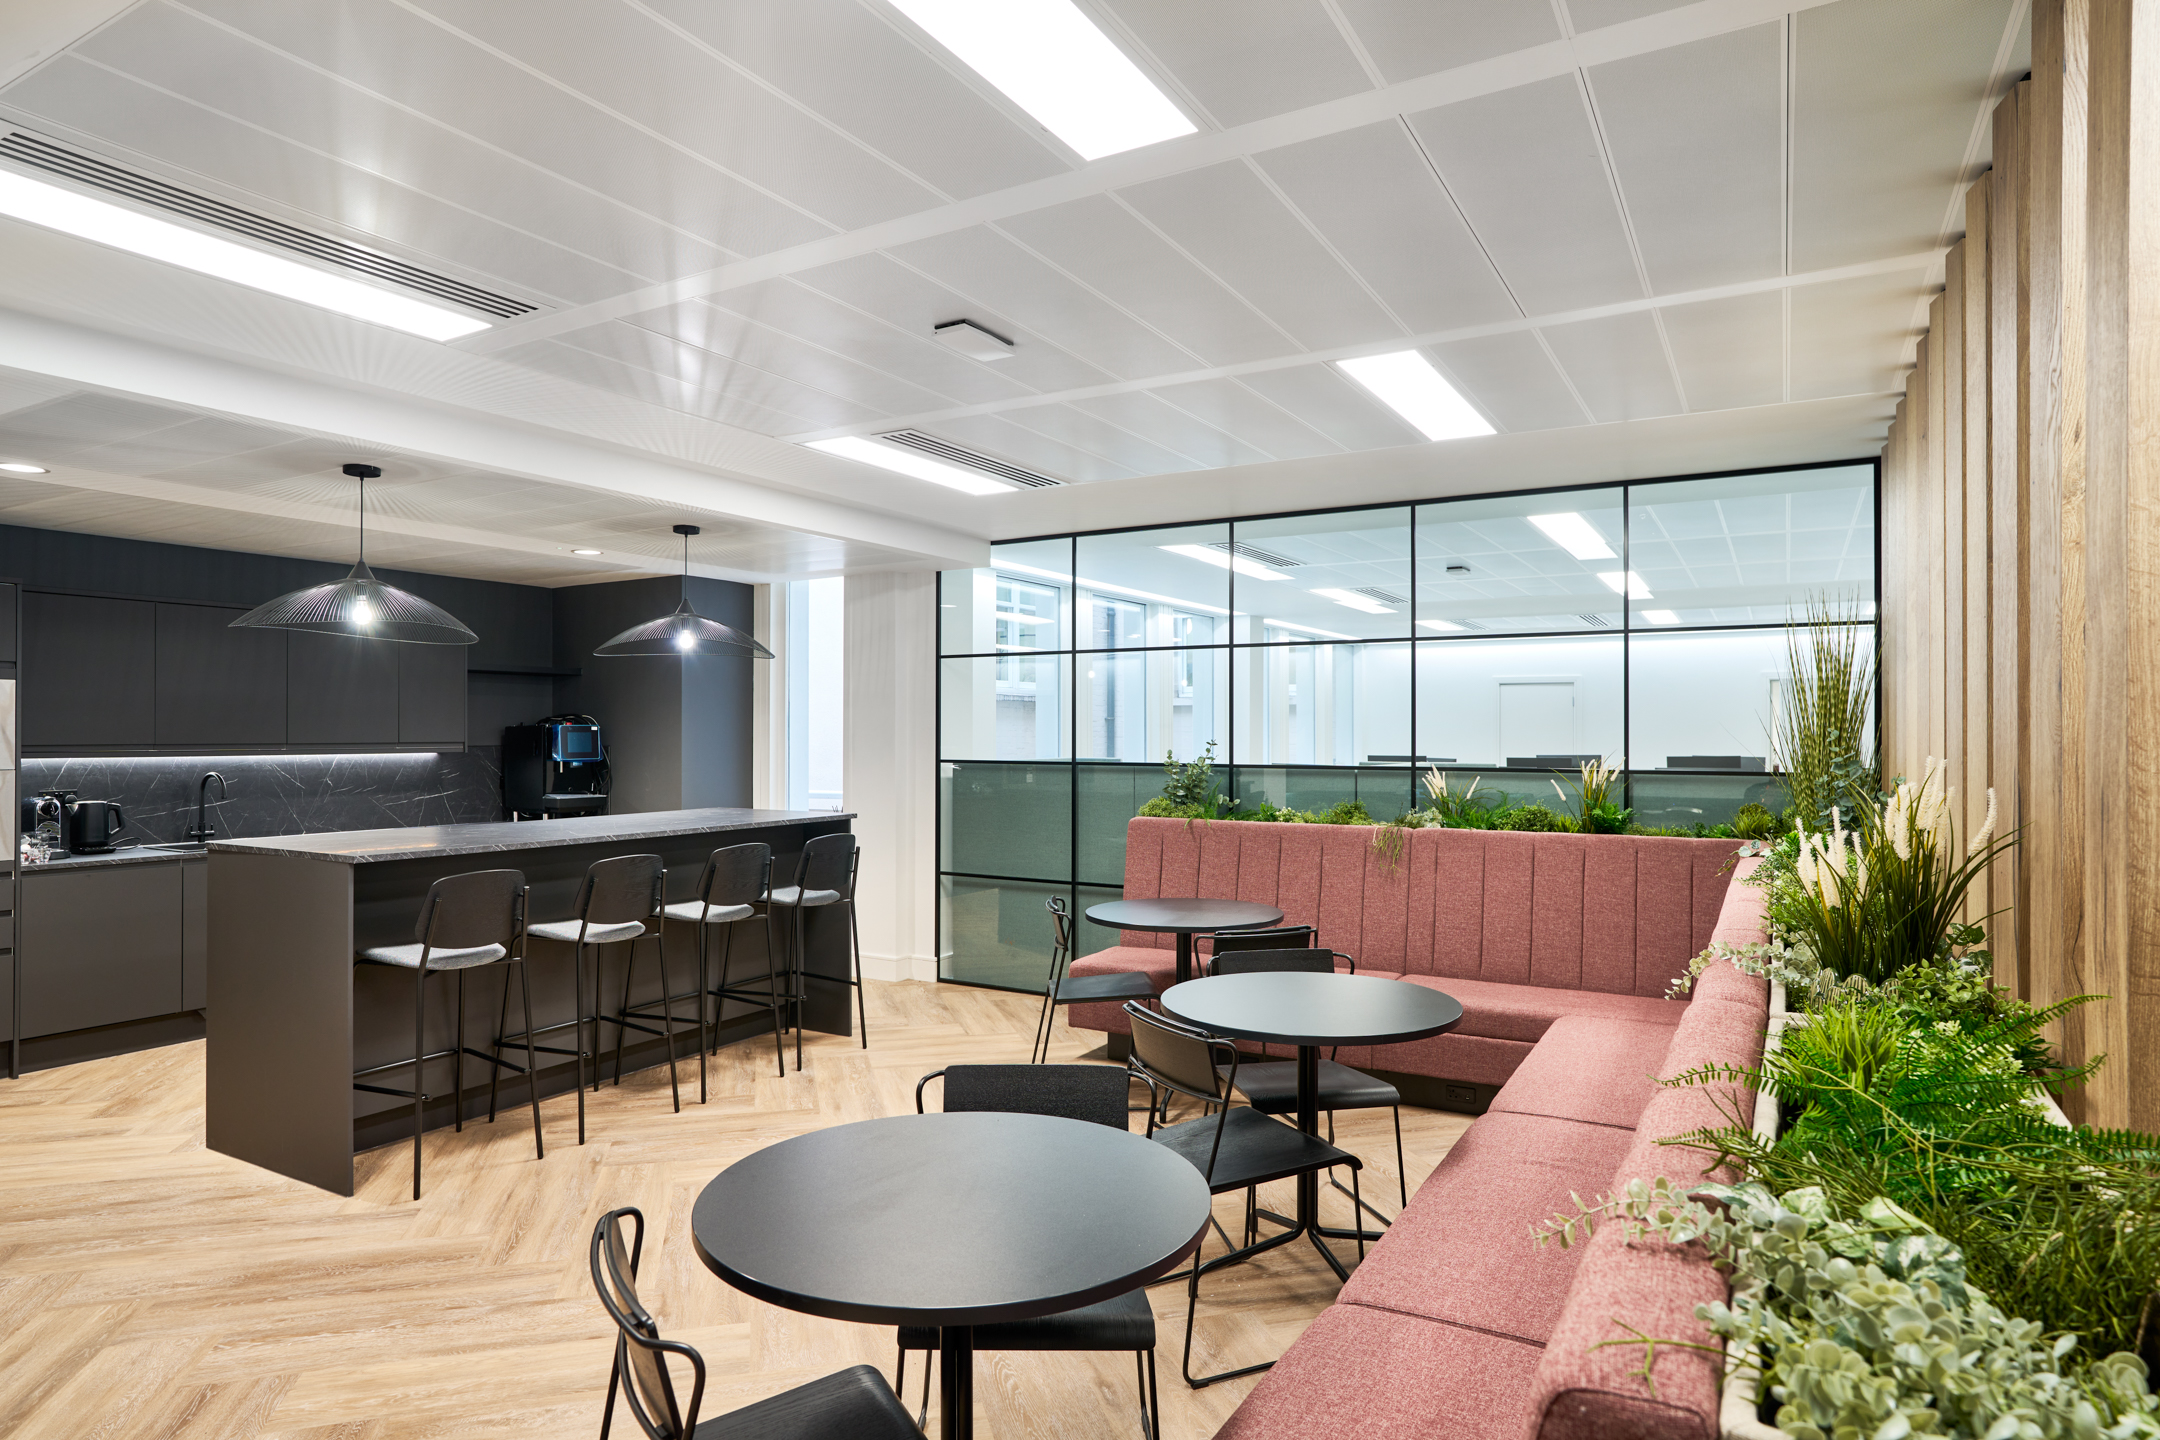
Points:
(554, 768)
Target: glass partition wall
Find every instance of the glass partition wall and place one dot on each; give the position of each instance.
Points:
(1338, 655)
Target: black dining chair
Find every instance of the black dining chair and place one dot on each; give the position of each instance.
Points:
(466, 922)
(1281, 937)
(618, 902)
(1270, 1086)
(824, 875)
(1063, 989)
(1093, 1093)
(855, 1402)
(1235, 1148)
(732, 889)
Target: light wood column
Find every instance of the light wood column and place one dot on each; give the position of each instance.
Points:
(2009, 725)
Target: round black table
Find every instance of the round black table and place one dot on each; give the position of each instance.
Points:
(1310, 1011)
(1184, 919)
(952, 1221)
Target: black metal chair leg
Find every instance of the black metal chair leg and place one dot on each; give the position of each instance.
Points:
(1402, 1173)
(667, 1021)
(419, 1065)
(1154, 1390)
(577, 1012)
(772, 990)
(502, 1021)
(629, 972)
(702, 998)
(798, 971)
(532, 1067)
(862, 999)
(457, 1060)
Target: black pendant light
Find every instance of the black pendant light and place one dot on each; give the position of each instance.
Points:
(684, 632)
(360, 605)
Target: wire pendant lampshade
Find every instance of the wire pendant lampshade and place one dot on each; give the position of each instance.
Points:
(360, 605)
(684, 631)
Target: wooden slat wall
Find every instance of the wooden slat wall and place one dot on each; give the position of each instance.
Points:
(2021, 536)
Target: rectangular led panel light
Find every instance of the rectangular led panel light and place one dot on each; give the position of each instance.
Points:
(1406, 383)
(1625, 582)
(1356, 601)
(1439, 625)
(76, 214)
(1575, 535)
(912, 464)
(1303, 629)
(1661, 617)
(1252, 569)
(1054, 63)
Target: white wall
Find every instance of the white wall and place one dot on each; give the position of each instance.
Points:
(889, 759)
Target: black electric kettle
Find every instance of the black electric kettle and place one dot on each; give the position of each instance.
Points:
(92, 826)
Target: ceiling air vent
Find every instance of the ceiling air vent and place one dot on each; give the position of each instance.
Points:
(954, 455)
(39, 153)
(1386, 597)
(1254, 552)
(1597, 622)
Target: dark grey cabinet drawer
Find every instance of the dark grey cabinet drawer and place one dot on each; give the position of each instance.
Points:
(431, 694)
(217, 686)
(341, 691)
(89, 673)
(100, 945)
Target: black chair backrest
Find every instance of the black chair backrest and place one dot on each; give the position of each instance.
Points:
(1179, 1056)
(828, 863)
(639, 1350)
(620, 889)
(464, 912)
(1284, 937)
(737, 875)
(1094, 1093)
(1251, 962)
(1060, 929)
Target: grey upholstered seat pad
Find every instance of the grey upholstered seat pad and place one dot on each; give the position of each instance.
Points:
(694, 910)
(787, 895)
(567, 930)
(409, 956)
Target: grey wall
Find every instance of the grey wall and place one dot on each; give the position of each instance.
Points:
(716, 708)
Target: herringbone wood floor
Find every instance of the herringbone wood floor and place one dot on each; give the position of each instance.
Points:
(149, 1287)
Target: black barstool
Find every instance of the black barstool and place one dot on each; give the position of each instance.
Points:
(615, 900)
(733, 888)
(466, 921)
(825, 875)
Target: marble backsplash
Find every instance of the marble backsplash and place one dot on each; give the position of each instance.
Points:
(284, 794)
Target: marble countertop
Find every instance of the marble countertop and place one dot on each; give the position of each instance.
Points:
(360, 847)
(133, 855)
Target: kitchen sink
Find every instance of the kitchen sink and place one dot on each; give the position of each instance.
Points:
(182, 847)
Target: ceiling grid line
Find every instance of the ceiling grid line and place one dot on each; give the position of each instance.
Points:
(966, 75)
(1545, 346)
(1119, 200)
(1354, 41)
(1297, 211)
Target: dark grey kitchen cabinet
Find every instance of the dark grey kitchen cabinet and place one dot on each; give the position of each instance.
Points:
(194, 934)
(217, 686)
(89, 672)
(100, 944)
(431, 694)
(341, 691)
(7, 624)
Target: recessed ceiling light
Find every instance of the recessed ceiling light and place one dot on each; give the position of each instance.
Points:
(1575, 535)
(124, 229)
(587, 552)
(1356, 601)
(1307, 629)
(1625, 582)
(1250, 568)
(973, 340)
(1439, 625)
(21, 469)
(1054, 63)
(908, 462)
(1406, 383)
(1661, 617)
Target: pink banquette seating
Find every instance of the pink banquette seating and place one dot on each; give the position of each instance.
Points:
(1561, 948)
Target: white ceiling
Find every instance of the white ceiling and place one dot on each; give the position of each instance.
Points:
(1678, 237)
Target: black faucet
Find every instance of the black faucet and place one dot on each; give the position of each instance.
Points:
(202, 830)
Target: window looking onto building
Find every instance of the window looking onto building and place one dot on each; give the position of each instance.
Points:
(816, 611)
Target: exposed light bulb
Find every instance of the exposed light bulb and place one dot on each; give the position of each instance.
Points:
(363, 614)
(686, 639)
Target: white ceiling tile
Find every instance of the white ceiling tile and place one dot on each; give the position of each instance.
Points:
(1069, 426)
(796, 309)
(693, 394)
(1697, 138)
(1409, 38)
(1617, 365)
(1002, 436)
(1849, 337)
(1245, 59)
(1524, 166)
(1372, 195)
(1729, 352)
(1597, 14)
(392, 52)
(720, 336)
(1108, 247)
(734, 377)
(1228, 220)
(1194, 439)
(1042, 304)
(1344, 412)
(624, 59)
(1513, 379)
(78, 420)
(20, 391)
(1230, 405)
(848, 65)
(1885, 94)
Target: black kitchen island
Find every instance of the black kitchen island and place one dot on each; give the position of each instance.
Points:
(291, 1017)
